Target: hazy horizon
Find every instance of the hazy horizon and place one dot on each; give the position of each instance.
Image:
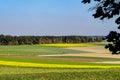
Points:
(50, 35)
(50, 17)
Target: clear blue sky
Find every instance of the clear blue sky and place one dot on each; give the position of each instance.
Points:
(50, 17)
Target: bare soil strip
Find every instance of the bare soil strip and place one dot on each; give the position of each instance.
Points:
(96, 49)
(88, 55)
(110, 62)
(94, 52)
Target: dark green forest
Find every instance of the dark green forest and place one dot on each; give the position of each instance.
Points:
(29, 40)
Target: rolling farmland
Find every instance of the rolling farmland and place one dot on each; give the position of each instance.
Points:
(88, 61)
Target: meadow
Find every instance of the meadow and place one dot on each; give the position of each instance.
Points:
(57, 62)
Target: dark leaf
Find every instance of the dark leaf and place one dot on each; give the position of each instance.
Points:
(86, 1)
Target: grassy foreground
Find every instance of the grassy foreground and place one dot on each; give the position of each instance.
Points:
(14, 73)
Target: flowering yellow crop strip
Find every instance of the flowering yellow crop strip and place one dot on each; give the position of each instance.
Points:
(68, 45)
(41, 65)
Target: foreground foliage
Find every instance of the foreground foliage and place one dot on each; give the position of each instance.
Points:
(114, 42)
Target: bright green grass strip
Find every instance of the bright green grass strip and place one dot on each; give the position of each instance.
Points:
(47, 61)
(41, 65)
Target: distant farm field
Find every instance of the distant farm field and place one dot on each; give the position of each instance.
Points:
(86, 61)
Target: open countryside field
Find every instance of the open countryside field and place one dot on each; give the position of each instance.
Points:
(88, 61)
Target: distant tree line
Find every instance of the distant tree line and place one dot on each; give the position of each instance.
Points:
(29, 40)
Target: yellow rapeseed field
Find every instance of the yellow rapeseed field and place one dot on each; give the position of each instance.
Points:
(68, 45)
(41, 65)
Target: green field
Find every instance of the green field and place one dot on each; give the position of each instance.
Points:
(14, 73)
(35, 62)
(27, 50)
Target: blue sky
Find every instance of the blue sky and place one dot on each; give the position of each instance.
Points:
(50, 17)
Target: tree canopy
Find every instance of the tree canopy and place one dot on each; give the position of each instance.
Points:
(29, 40)
(108, 9)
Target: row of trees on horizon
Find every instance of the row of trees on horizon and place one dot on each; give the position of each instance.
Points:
(29, 40)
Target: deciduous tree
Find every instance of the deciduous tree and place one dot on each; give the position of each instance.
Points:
(108, 9)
